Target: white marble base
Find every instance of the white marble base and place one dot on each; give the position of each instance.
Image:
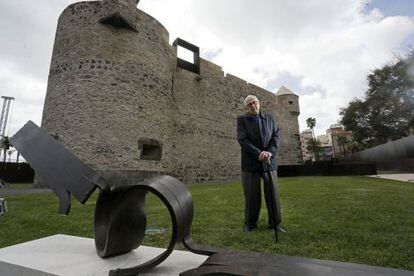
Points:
(71, 255)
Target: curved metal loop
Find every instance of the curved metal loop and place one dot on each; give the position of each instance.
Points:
(120, 219)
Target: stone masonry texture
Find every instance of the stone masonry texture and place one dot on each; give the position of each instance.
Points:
(115, 96)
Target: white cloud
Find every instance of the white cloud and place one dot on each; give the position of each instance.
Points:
(28, 31)
(29, 94)
(328, 46)
(321, 104)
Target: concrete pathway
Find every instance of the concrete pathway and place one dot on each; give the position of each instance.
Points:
(408, 177)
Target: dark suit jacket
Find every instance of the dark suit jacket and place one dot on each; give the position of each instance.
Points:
(252, 142)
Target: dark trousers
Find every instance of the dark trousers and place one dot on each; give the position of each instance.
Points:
(253, 197)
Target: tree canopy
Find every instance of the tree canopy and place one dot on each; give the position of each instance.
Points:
(314, 145)
(387, 111)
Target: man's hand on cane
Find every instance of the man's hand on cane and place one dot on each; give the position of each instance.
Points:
(265, 156)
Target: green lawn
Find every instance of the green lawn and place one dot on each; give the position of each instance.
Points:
(350, 219)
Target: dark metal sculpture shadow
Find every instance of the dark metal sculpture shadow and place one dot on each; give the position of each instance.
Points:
(120, 218)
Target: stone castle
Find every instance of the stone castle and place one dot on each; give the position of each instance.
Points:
(121, 100)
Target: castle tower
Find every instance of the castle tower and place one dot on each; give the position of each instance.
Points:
(288, 104)
(109, 90)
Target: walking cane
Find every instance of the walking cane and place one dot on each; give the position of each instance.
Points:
(273, 206)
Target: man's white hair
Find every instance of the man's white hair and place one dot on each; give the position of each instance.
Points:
(250, 99)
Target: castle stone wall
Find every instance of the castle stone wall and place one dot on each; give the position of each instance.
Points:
(115, 91)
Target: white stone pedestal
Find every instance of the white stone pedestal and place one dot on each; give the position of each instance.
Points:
(71, 255)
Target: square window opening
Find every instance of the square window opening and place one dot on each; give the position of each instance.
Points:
(185, 54)
(150, 150)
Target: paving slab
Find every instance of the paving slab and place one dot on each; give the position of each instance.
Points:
(408, 177)
(65, 255)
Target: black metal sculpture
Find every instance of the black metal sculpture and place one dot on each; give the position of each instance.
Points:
(120, 219)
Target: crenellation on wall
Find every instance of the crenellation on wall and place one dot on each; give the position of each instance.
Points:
(210, 70)
(116, 99)
(232, 79)
(256, 89)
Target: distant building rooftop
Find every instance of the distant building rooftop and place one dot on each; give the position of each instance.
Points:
(336, 126)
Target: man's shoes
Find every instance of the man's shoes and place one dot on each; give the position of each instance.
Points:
(248, 228)
(278, 229)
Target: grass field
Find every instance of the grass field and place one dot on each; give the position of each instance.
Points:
(350, 219)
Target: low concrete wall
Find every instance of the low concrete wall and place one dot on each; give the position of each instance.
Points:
(396, 156)
(327, 169)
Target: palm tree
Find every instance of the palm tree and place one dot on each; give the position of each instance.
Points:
(311, 123)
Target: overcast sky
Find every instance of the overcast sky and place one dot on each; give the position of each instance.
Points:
(320, 49)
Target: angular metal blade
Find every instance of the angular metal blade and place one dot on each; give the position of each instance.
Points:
(56, 166)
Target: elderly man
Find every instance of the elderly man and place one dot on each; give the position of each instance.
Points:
(258, 137)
